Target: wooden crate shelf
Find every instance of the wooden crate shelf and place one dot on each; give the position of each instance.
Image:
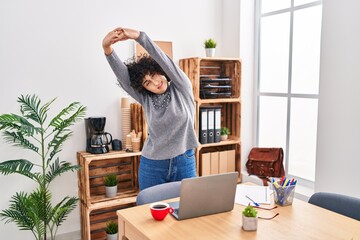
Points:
(96, 209)
(212, 68)
(95, 166)
(94, 219)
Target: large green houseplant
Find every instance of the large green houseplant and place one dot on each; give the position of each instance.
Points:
(33, 131)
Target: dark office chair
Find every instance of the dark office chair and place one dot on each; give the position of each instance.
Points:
(342, 204)
(158, 193)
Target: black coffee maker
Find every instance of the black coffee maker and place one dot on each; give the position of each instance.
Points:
(97, 141)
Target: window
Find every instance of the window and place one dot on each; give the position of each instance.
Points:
(288, 64)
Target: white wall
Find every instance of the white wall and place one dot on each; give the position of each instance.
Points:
(53, 49)
(338, 145)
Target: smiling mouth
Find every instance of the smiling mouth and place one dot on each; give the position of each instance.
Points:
(161, 83)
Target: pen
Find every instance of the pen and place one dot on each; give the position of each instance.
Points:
(255, 203)
(285, 183)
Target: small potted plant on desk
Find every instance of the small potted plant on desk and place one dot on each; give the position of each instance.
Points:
(110, 182)
(249, 218)
(210, 45)
(111, 230)
(224, 133)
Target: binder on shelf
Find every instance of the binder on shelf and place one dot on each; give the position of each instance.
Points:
(217, 124)
(210, 132)
(203, 128)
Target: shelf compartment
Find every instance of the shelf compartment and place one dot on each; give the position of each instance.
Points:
(230, 117)
(94, 219)
(95, 166)
(213, 68)
(224, 161)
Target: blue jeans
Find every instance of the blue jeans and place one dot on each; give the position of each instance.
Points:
(154, 172)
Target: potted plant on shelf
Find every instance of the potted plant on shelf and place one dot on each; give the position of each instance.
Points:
(110, 182)
(111, 230)
(210, 45)
(36, 211)
(224, 133)
(249, 219)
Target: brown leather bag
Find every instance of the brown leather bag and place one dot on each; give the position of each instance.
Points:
(265, 163)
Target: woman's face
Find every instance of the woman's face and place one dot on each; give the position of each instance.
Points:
(155, 83)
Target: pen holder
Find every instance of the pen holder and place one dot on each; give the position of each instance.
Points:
(283, 195)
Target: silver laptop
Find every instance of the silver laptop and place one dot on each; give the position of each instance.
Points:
(207, 195)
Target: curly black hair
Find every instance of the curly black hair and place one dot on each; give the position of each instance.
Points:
(139, 67)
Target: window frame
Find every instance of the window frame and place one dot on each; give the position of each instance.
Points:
(258, 15)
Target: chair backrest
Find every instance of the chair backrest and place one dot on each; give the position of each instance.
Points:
(342, 204)
(158, 193)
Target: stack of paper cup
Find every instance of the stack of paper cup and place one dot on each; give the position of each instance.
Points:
(128, 145)
(125, 120)
(135, 142)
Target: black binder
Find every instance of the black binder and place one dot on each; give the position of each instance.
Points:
(203, 125)
(211, 122)
(217, 124)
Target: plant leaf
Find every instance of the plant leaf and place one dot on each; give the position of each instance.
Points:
(13, 122)
(61, 211)
(29, 107)
(23, 211)
(19, 166)
(57, 168)
(18, 139)
(56, 144)
(59, 123)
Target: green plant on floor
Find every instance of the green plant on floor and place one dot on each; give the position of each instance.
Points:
(32, 131)
(224, 131)
(210, 43)
(110, 180)
(250, 211)
(111, 227)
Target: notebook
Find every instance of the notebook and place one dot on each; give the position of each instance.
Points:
(206, 195)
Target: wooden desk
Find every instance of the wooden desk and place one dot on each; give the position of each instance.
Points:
(298, 221)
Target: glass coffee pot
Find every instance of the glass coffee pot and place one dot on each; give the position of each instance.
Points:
(101, 140)
(97, 140)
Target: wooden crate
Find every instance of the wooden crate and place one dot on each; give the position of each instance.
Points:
(211, 68)
(195, 68)
(230, 117)
(94, 219)
(95, 166)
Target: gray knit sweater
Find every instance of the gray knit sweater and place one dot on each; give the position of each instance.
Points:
(171, 128)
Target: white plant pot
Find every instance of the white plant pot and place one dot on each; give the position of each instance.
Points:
(112, 236)
(249, 223)
(224, 137)
(111, 191)
(210, 52)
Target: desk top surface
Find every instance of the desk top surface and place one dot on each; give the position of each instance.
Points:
(300, 220)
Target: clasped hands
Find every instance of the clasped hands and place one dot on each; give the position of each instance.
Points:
(116, 35)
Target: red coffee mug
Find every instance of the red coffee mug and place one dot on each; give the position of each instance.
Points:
(159, 210)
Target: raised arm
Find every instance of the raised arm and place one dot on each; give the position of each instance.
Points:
(118, 67)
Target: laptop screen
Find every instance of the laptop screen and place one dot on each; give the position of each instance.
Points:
(206, 195)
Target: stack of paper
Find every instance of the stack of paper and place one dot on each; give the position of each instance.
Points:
(259, 194)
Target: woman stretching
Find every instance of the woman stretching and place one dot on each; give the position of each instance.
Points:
(165, 93)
